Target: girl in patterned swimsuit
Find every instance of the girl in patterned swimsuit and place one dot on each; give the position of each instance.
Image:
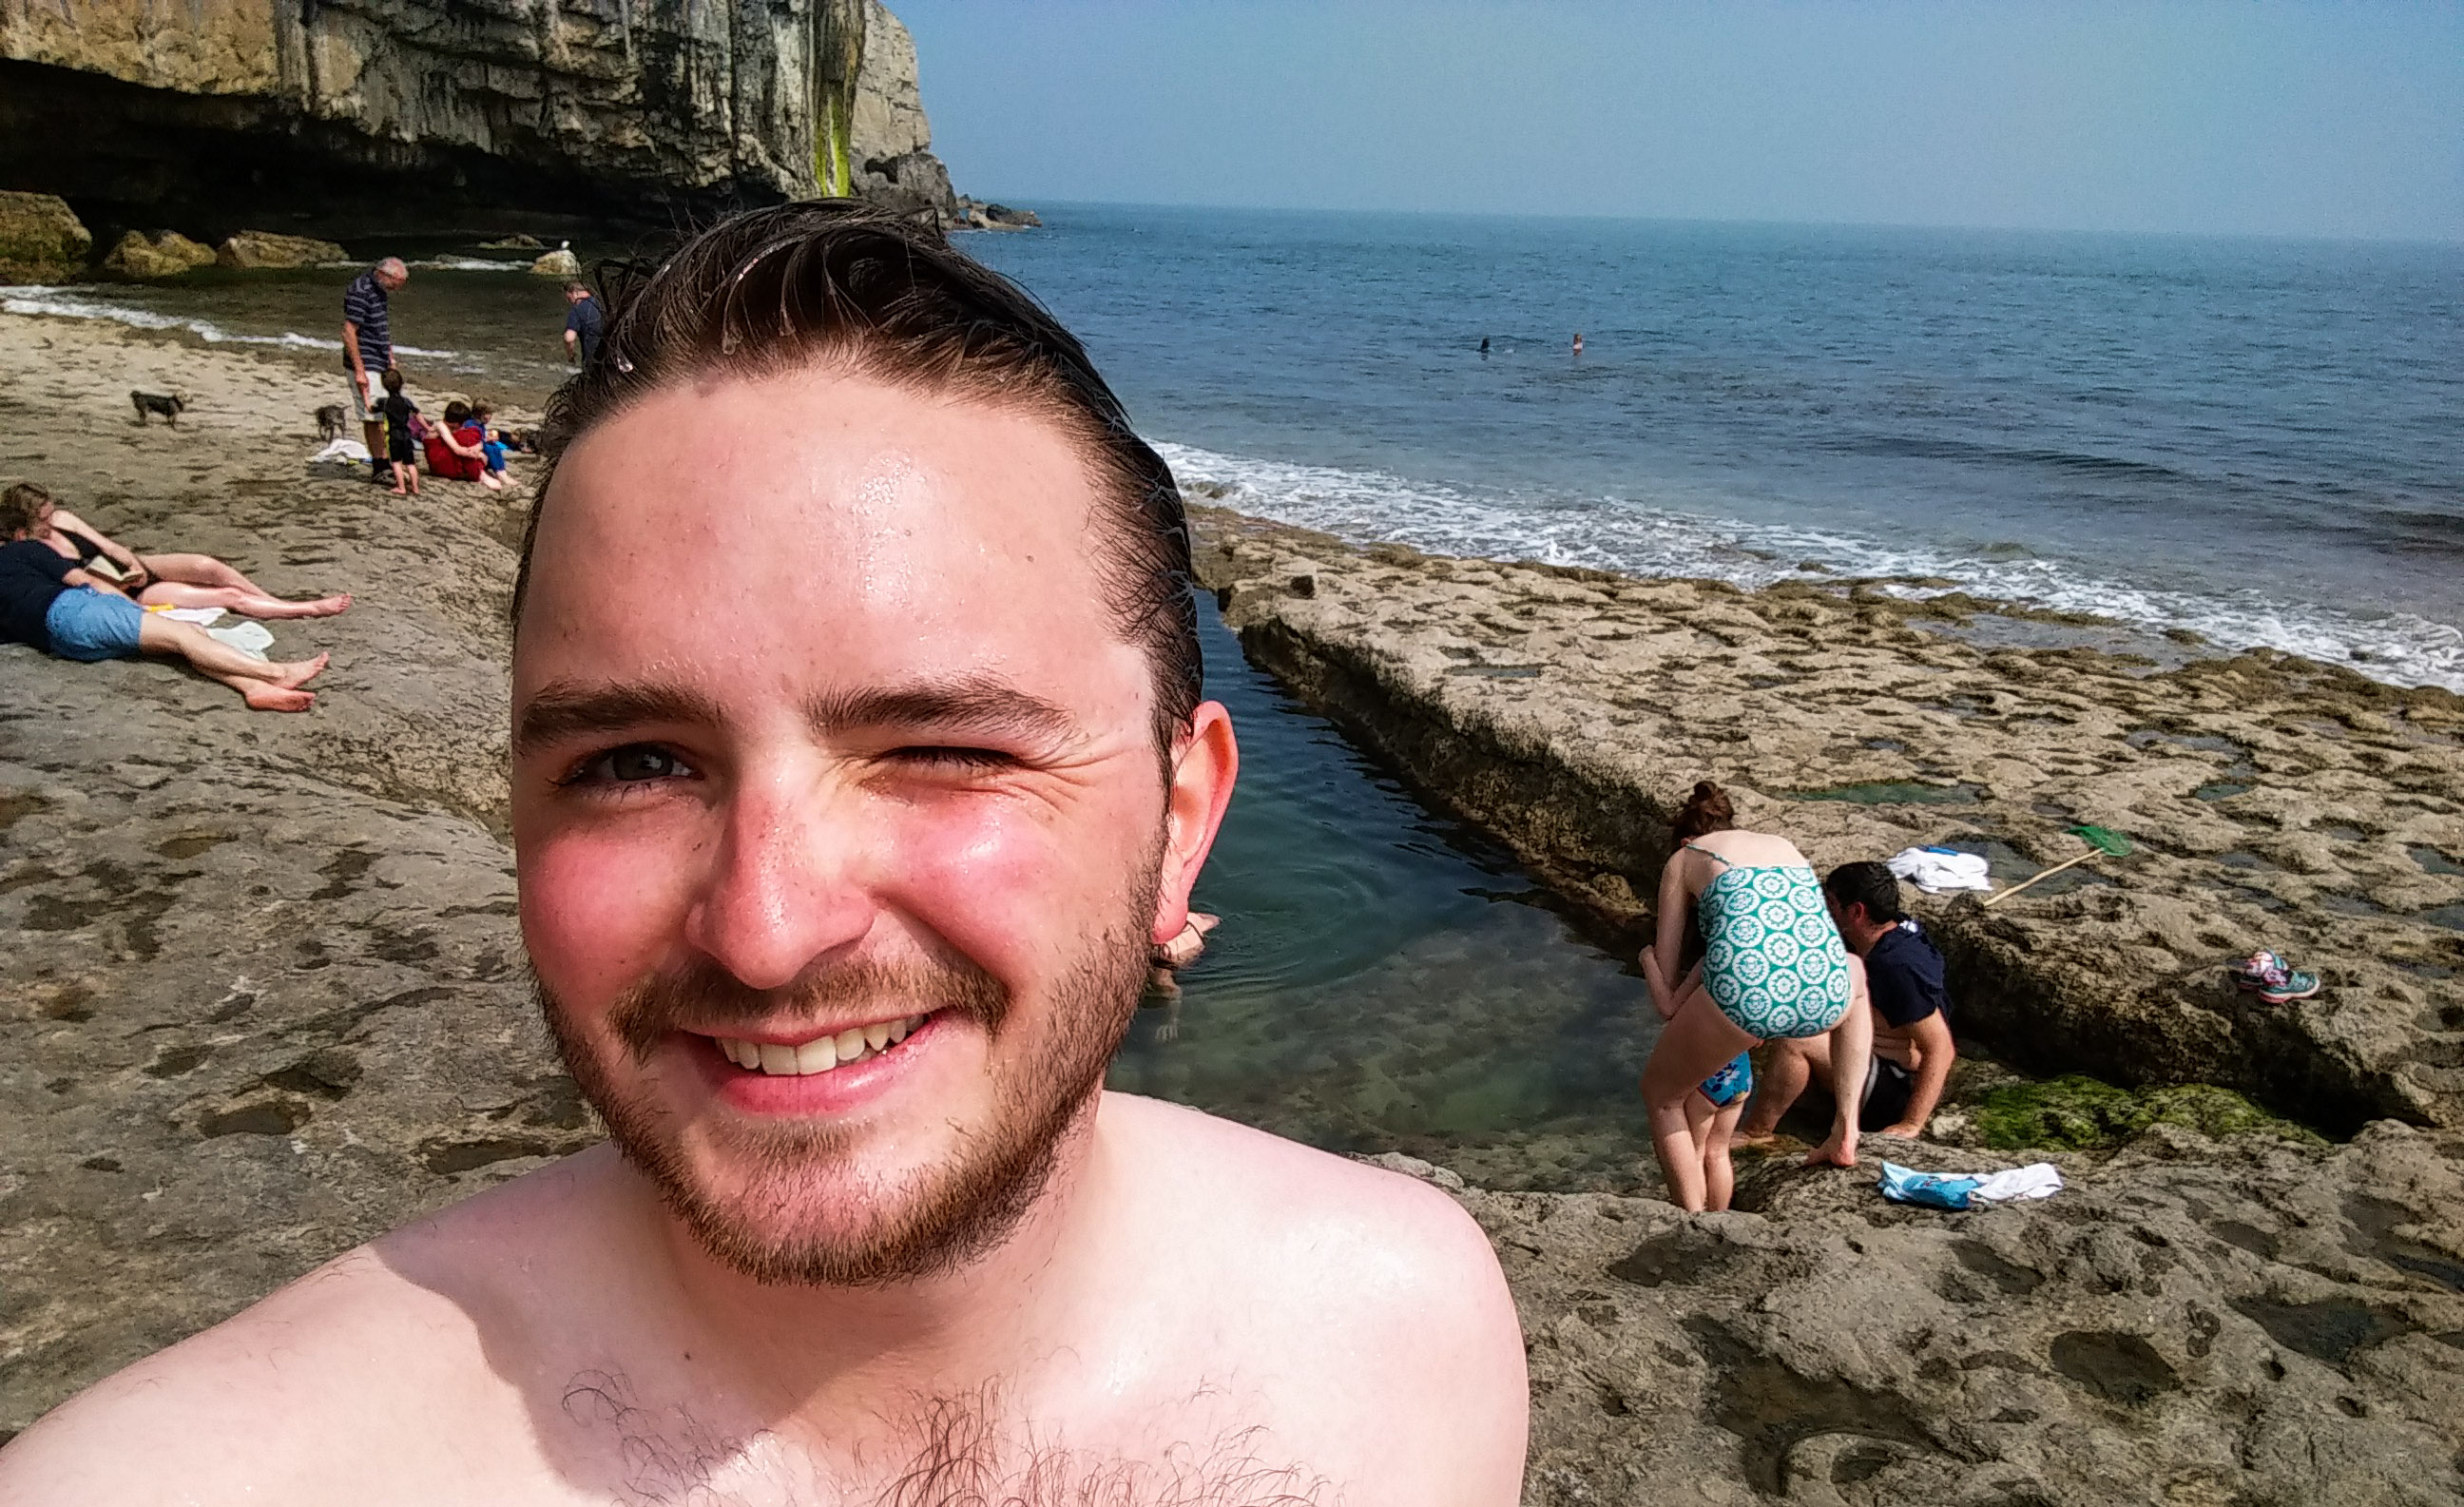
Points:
(1772, 965)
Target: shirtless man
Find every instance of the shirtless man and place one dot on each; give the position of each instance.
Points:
(859, 762)
(1913, 1050)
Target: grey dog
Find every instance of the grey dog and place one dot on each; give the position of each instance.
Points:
(166, 405)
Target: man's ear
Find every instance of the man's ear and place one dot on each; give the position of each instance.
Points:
(1205, 763)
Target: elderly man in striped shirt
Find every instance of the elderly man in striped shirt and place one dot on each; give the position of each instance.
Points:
(368, 350)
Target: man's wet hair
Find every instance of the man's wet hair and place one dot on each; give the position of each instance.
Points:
(835, 283)
(1872, 885)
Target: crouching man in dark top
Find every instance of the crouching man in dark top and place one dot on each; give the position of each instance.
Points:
(1912, 1046)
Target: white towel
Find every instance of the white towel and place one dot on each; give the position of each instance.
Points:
(202, 616)
(249, 638)
(2036, 1179)
(1934, 869)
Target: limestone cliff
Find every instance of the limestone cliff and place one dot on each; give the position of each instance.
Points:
(453, 114)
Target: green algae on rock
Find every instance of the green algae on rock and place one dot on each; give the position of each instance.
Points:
(2078, 1113)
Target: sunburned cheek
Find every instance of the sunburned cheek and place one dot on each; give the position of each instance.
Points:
(993, 878)
(597, 915)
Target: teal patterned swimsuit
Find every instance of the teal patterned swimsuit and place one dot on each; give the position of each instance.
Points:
(1773, 961)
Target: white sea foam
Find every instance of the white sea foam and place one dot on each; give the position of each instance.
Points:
(1614, 534)
(82, 303)
(467, 264)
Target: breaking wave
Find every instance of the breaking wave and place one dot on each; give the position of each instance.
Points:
(1636, 539)
(83, 303)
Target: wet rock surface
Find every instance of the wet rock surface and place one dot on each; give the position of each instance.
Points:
(2275, 802)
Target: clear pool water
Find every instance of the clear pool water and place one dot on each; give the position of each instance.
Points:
(1386, 979)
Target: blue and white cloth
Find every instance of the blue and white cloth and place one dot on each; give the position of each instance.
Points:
(1967, 1190)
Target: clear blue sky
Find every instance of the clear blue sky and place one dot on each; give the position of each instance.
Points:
(2243, 117)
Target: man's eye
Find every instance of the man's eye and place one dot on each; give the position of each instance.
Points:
(947, 757)
(633, 763)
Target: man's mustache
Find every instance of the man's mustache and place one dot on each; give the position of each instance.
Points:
(708, 999)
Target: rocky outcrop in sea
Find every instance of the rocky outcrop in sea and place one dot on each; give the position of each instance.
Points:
(384, 115)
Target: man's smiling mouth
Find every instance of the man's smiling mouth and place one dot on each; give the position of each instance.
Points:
(822, 1054)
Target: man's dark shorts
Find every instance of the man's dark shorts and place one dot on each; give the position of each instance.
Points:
(1888, 1088)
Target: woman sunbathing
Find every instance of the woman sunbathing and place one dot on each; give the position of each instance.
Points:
(150, 579)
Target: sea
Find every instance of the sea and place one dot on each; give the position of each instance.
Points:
(2260, 442)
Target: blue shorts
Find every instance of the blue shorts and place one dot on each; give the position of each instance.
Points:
(1730, 1083)
(90, 625)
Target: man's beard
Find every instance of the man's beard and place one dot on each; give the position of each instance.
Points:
(876, 1232)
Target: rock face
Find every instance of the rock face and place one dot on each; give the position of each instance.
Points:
(417, 116)
(2277, 802)
(2188, 1322)
(41, 238)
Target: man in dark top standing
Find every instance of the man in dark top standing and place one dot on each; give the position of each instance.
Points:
(368, 350)
(582, 323)
(1912, 1046)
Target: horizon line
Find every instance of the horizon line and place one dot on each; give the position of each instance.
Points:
(2456, 241)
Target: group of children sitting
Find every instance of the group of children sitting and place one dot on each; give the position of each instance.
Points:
(464, 448)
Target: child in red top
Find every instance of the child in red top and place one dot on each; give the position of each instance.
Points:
(454, 449)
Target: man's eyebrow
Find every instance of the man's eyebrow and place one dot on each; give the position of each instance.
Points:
(967, 705)
(563, 710)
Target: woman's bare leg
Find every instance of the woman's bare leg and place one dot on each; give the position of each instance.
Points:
(1697, 1040)
(268, 686)
(246, 602)
(1852, 1052)
(203, 570)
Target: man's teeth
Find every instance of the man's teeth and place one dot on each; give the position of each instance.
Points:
(820, 1053)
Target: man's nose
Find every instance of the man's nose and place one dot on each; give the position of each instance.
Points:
(786, 889)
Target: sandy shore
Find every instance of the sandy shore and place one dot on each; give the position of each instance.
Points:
(263, 997)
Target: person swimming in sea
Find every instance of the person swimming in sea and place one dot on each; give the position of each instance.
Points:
(1578, 343)
(1484, 344)
(1774, 968)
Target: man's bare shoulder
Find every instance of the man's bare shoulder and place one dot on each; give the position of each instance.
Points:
(1261, 1192)
(1368, 1302)
(1319, 1242)
(371, 1355)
